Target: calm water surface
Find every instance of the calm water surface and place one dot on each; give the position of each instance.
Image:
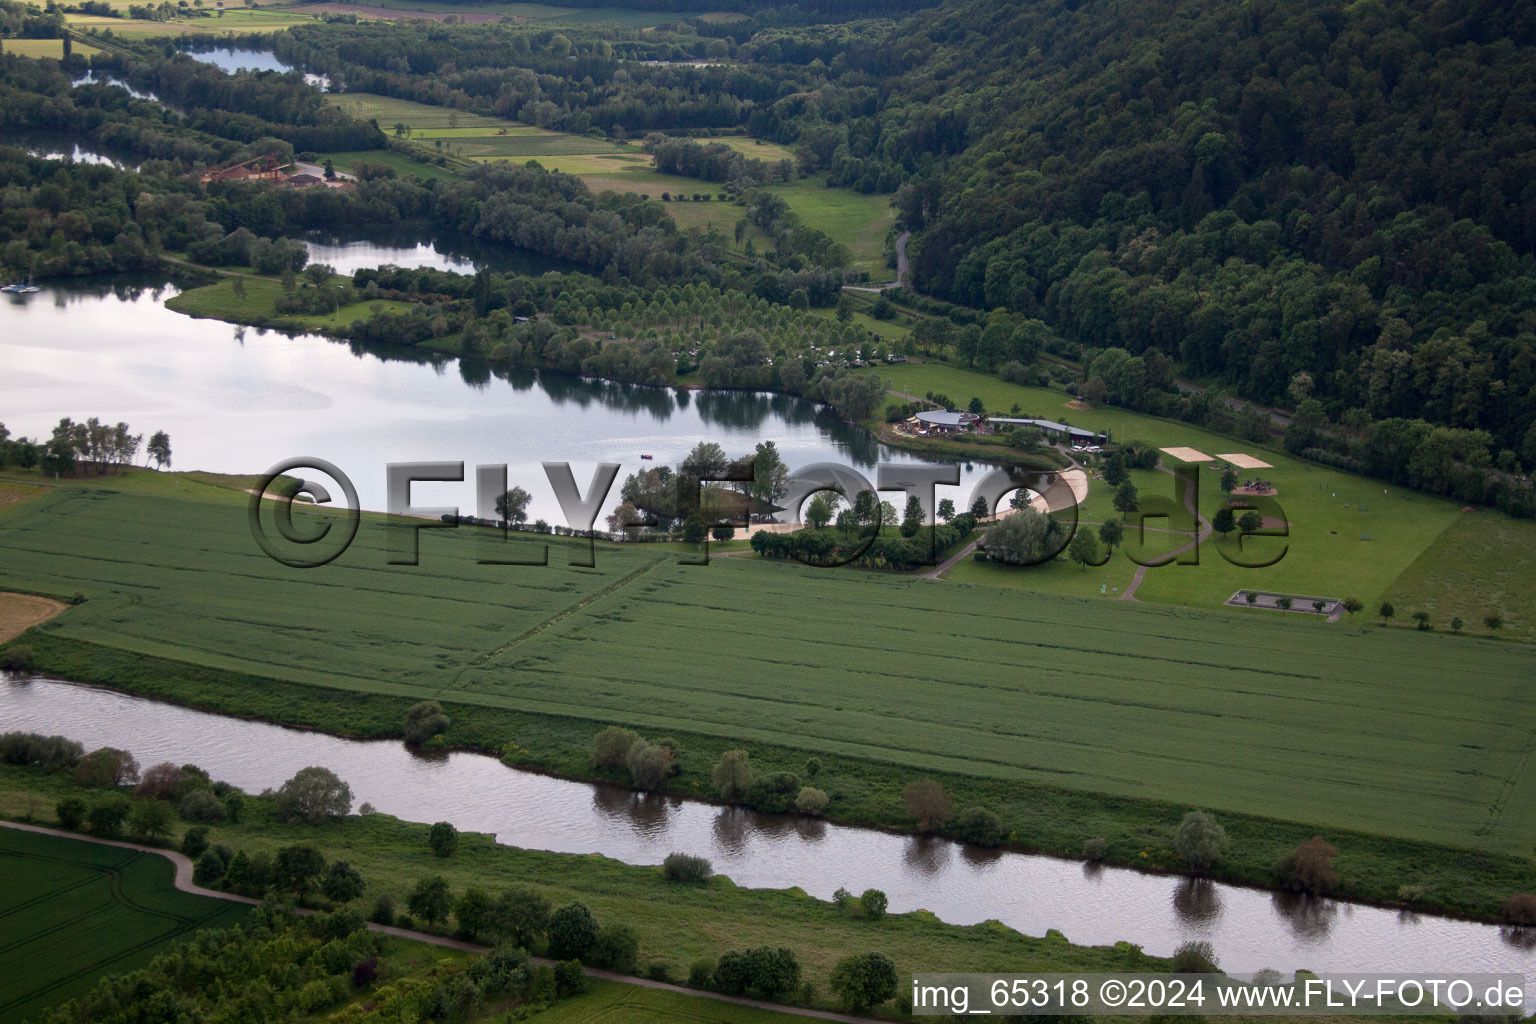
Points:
(1249, 929)
(239, 400)
(235, 58)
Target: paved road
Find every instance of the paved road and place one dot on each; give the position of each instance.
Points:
(184, 882)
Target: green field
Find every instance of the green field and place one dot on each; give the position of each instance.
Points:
(403, 165)
(1349, 536)
(1480, 565)
(53, 48)
(219, 301)
(608, 1002)
(72, 911)
(1106, 697)
(227, 22)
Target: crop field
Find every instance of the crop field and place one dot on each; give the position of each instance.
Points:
(1480, 566)
(1103, 696)
(1349, 536)
(72, 911)
(53, 48)
(620, 16)
(222, 23)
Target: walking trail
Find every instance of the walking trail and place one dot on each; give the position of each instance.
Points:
(184, 882)
(1200, 536)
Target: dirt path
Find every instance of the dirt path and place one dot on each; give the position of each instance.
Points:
(902, 266)
(1204, 532)
(183, 881)
(20, 612)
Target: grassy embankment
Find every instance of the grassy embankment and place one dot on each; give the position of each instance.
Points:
(258, 306)
(1070, 718)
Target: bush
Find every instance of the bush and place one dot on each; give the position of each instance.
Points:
(313, 795)
(1200, 840)
(616, 948)
(1195, 958)
(49, 753)
(812, 767)
(570, 979)
(874, 904)
(685, 867)
(423, 721)
(209, 869)
(70, 812)
(701, 974)
(1520, 909)
(383, 911)
(1095, 849)
(980, 826)
(927, 802)
(811, 801)
(658, 971)
(159, 781)
(194, 841)
(150, 820)
(107, 766)
(650, 765)
(864, 981)
(733, 774)
(443, 838)
(106, 817)
(572, 931)
(16, 658)
(201, 805)
(365, 972)
(611, 748)
(1309, 868)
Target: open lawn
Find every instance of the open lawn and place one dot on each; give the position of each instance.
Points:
(403, 165)
(1349, 536)
(859, 221)
(1091, 695)
(72, 911)
(1480, 566)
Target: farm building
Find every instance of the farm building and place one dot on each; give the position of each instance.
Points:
(1064, 431)
(942, 422)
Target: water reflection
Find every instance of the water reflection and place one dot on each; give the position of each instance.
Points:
(420, 245)
(1091, 904)
(1196, 901)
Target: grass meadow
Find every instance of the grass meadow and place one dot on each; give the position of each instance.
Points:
(1114, 698)
(73, 911)
(53, 48)
(227, 22)
(219, 301)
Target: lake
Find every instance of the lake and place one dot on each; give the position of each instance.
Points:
(234, 58)
(239, 400)
(424, 246)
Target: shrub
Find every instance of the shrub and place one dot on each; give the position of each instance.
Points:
(842, 898)
(864, 981)
(658, 971)
(194, 841)
(1520, 909)
(572, 931)
(570, 979)
(423, 721)
(927, 803)
(1095, 849)
(208, 869)
(980, 826)
(201, 805)
(106, 817)
(406, 921)
(1200, 840)
(732, 774)
(612, 748)
(107, 766)
(701, 974)
(70, 812)
(159, 781)
(365, 972)
(313, 795)
(874, 903)
(1195, 958)
(234, 801)
(341, 883)
(812, 801)
(732, 973)
(1410, 893)
(1309, 868)
(685, 867)
(49, 753)
(16, 658)
(649, 764)
(443, 838)
(150, 820)
(616, 948)
(812, 767)
(383, 911)
(431, 899)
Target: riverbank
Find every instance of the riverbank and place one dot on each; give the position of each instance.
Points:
(676, 923)
(1139, 834)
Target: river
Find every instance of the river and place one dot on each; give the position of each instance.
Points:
(1249, 929)
(238, 400)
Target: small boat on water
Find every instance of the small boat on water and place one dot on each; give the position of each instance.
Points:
(20, 289)
(646, 457)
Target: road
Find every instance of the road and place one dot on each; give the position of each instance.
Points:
(903, 265)
(183, 881)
